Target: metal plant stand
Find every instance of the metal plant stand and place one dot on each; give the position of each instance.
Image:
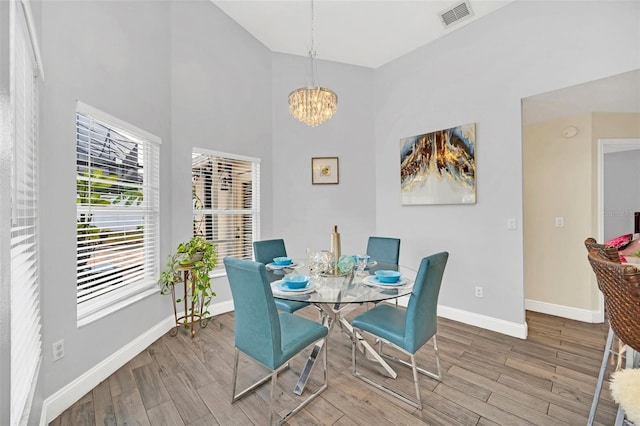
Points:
(191, 315)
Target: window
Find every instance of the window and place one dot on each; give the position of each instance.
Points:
(21, 166)
(226, 202)
(117, 217)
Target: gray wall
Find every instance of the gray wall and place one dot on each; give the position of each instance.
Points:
(180, 70)
(479, 74)
(116, 57)
(220, 100)
(304, 214)
(621, 192)
(185, 72)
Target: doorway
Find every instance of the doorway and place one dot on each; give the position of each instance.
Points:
(562, 210)
(618, 190)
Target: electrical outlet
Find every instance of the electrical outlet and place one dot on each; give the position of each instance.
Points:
(58, 350)
(559, 222)
(512, 223)
(479, 292)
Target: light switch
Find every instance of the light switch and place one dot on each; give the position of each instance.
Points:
(512, 223)
(559, 222)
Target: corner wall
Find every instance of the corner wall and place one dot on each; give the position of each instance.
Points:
(183, 71)
(304, 214)
(112, 56)
(560, 177)
(221, 101)
(557, 175)
(480, 73)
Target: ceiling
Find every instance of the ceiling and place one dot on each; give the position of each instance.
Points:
(371, 33)
(618, 93)
(368, 33)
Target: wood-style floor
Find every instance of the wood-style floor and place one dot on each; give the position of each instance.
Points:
(488, 379)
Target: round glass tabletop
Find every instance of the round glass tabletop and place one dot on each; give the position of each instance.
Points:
(354, 287)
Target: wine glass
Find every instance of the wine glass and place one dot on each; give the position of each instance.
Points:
(362, 262)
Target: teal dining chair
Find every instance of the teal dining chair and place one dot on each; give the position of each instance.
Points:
(264, 251)
(406, 329)
(384, 249)
(269, 337)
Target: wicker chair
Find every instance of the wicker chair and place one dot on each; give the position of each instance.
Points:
(605, 251)
(620, 285)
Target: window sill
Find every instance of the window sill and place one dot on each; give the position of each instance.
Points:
(218, 274)
(108, 310)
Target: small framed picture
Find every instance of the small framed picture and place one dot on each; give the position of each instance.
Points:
(324, 170)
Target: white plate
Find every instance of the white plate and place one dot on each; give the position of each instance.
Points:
(372, 280)
(281, 288)
(273, 266)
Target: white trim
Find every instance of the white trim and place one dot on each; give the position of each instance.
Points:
(31, 28)
(101, 310)
(222, 308)
(478, 320)
(125, 128)
(64, 398)
(490, 323)
(600, 210)
(618, 145)
(226, 155)
(584, 315)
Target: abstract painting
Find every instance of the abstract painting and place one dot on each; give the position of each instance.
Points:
(439, 167)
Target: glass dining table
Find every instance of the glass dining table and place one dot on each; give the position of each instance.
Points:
(337, 295)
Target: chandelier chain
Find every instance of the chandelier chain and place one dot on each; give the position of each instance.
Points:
(312, 104)
(313, 81)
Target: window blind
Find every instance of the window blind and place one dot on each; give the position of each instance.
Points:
(26, 340)
(226, 202)
(117, 203)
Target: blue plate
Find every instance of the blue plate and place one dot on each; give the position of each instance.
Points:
(282, 286)
(372, 279)
(274, 266)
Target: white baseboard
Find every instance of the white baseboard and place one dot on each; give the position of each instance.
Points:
(482, 321)
(64, 398)
(577, 314)
(490, 323)
(221, 308)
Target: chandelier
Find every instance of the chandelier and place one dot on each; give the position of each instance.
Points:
(312, 104)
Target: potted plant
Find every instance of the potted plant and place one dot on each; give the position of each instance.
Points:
(198, 257)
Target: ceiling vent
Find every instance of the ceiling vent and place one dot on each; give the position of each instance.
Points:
(455, 14)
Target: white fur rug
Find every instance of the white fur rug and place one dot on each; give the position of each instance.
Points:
(625, 388)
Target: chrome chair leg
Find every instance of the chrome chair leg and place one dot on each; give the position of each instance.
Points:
(311, 397)
(437, 352)
(273, 377)
(414, 370)
(274, 381)
(235, 375)
(603, 368)
(436, 376)
(381, 386)
(253, 387)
